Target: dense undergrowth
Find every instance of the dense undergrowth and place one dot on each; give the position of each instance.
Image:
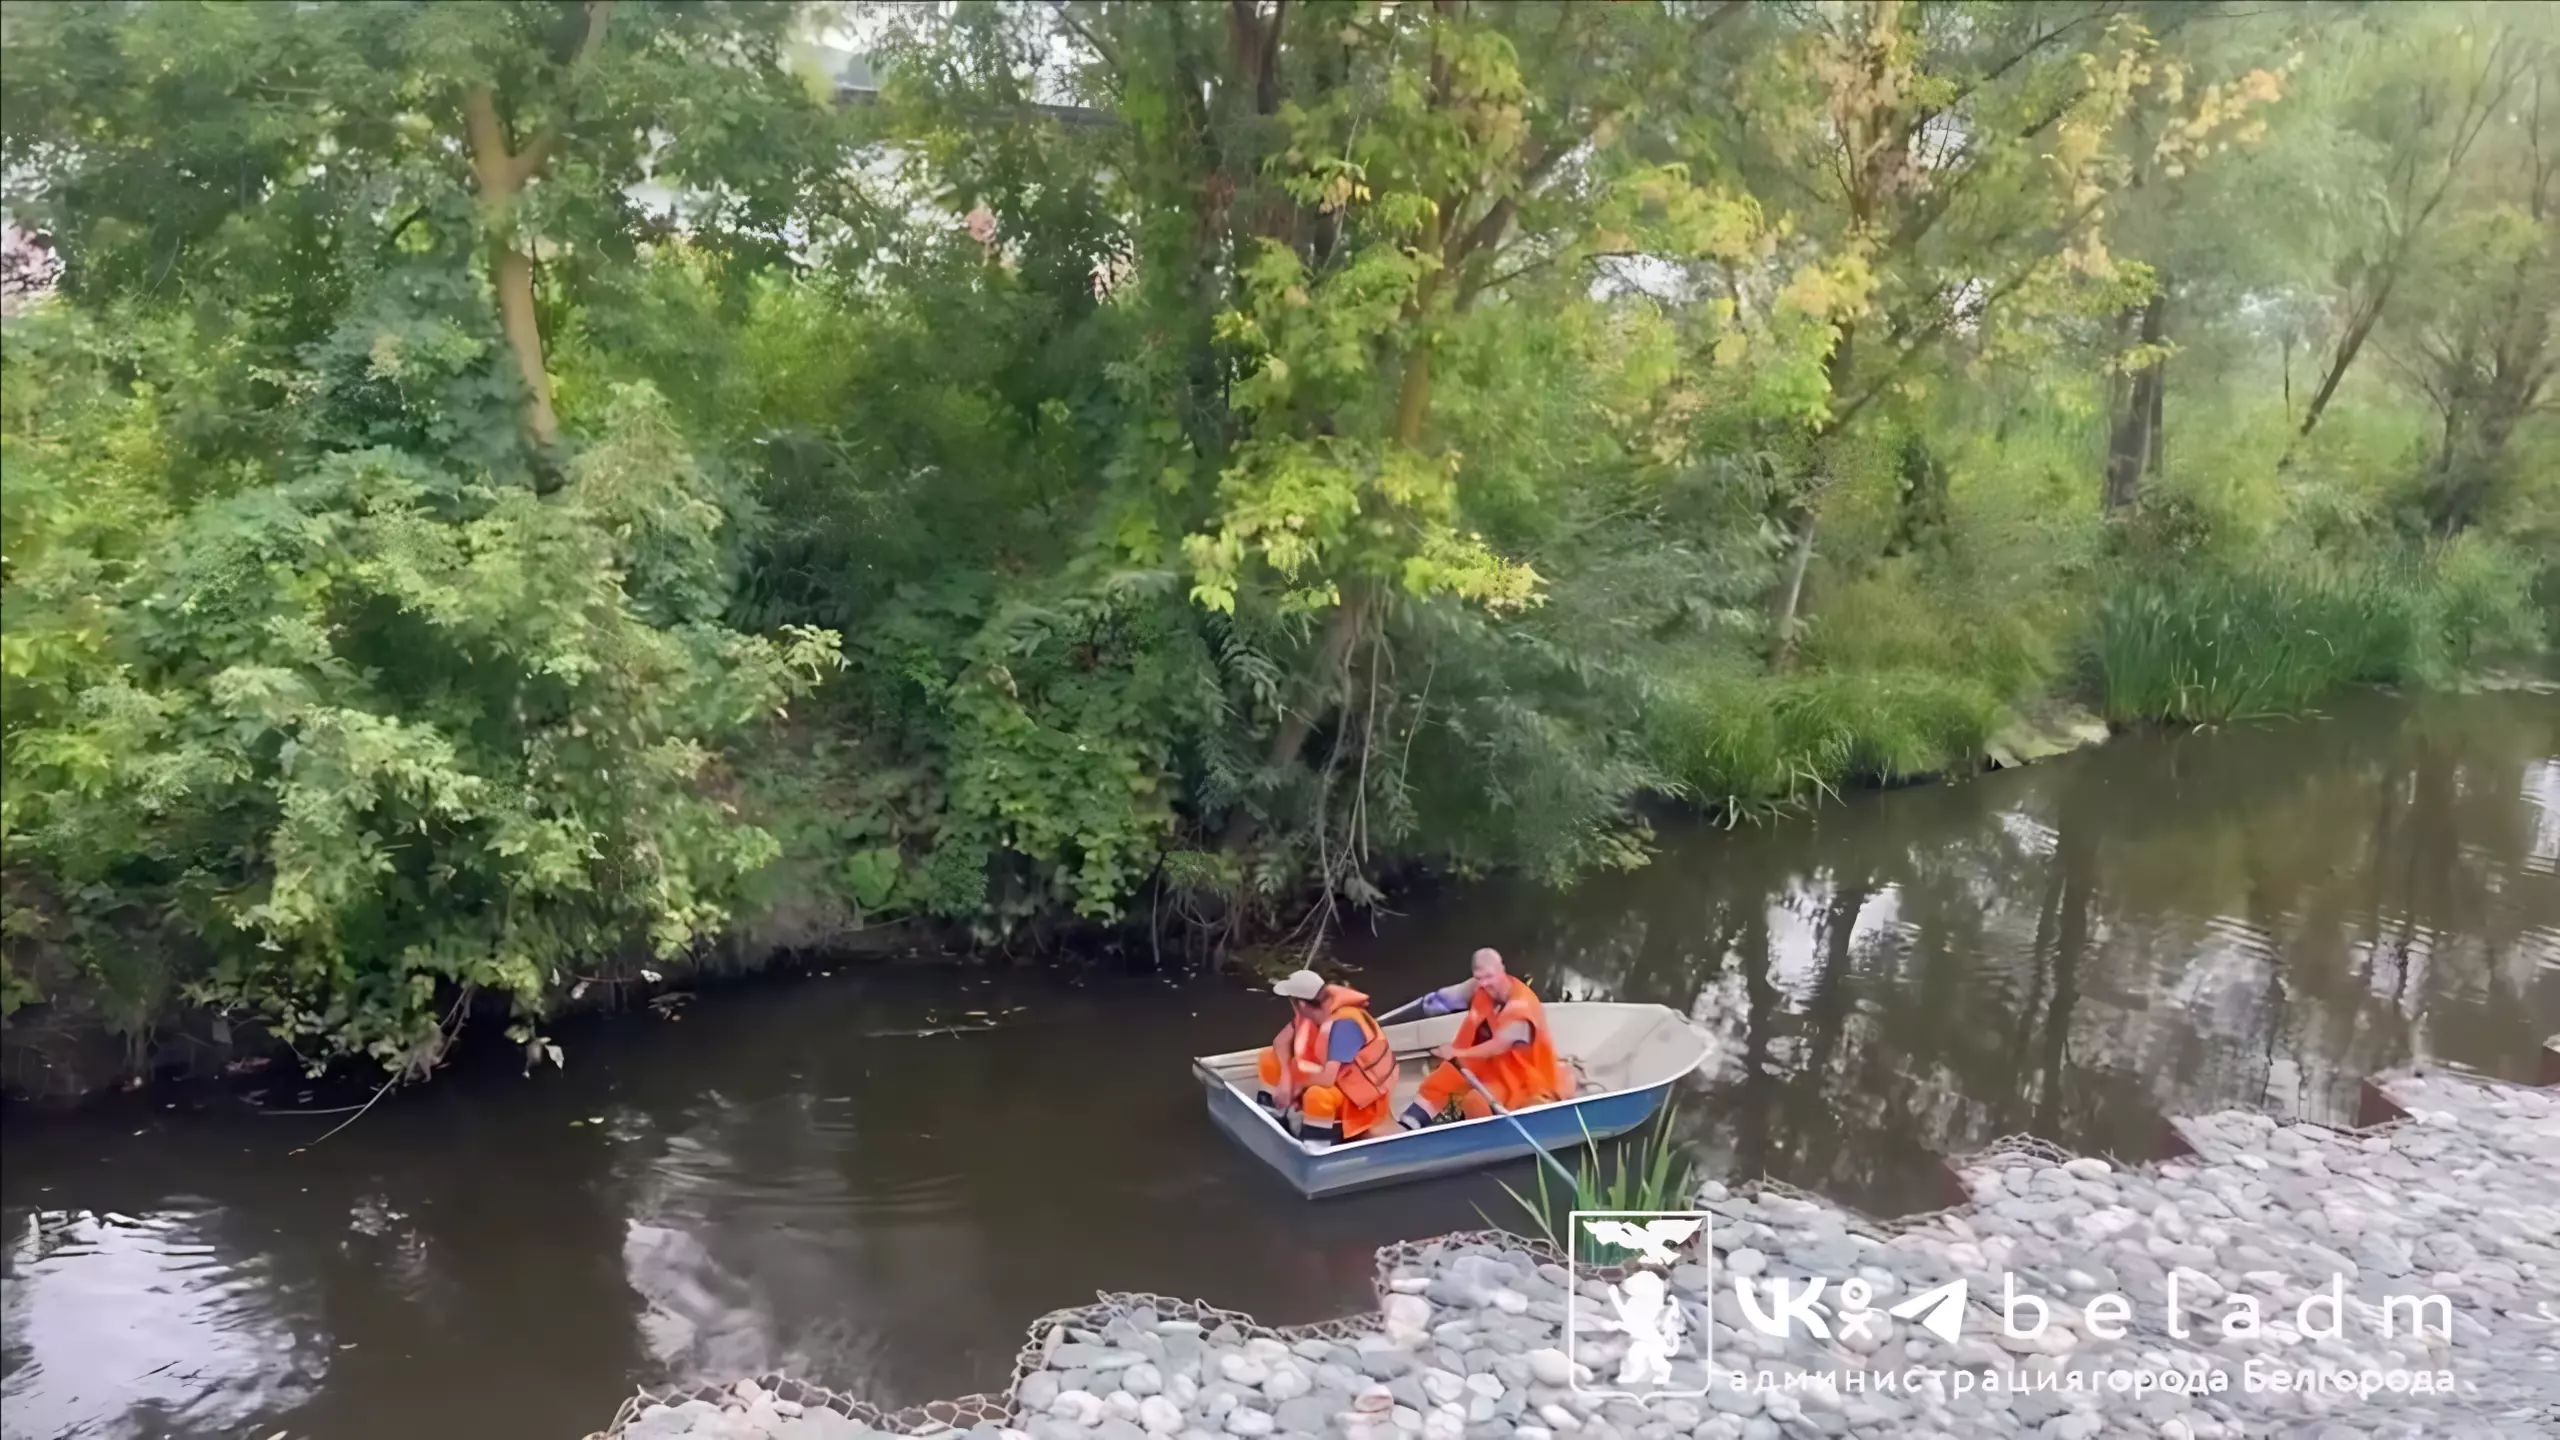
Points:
(1149, 476)
(2205, 644)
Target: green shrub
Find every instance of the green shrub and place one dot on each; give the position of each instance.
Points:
(2212, 644)
(1900, 618)
(1652, 1173)
(1746, 744)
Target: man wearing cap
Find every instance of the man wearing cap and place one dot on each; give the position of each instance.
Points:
(1330, 1073)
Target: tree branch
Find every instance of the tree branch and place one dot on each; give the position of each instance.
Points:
(1110, 53)
(530, 160)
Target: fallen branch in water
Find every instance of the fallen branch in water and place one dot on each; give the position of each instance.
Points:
(445, 1031)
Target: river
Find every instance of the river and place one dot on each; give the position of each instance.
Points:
(787, 1175)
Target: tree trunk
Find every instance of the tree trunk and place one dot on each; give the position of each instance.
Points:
(1923, 513)
(1351, 613)
(2133, 440)
(1836, 371)
(2349, 346)
(1791, 592)
(499, 172)
(2157, 462)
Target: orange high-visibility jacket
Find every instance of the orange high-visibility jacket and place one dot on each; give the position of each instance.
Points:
(1371, 1075)
(1523, 1074)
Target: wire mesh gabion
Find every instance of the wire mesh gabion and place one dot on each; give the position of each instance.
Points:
(942, 1417)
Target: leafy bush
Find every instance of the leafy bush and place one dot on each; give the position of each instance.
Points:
(379, 733)
(2208, 643)
(1745, 744)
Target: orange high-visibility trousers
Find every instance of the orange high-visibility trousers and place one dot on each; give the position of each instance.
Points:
(1446, 1083)
(1322, 1105)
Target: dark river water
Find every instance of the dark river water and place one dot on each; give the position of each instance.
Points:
(788, 1176)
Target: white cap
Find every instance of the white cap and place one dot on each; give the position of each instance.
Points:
(1304, 985)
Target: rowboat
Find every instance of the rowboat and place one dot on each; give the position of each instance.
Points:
(1625, 1058)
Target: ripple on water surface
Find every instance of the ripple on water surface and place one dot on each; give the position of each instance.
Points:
(119, 1326)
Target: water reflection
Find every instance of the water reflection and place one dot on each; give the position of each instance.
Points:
(792, 1176)
(2263, 915)
(125, 1325)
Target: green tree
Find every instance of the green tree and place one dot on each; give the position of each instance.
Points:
(341, 685)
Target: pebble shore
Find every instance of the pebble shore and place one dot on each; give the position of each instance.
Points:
(2461, 1199)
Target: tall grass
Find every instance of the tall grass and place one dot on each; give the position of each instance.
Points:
(2212, 644)
(1652, 1173)
(1747, 744)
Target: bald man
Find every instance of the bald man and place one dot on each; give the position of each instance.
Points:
(1502, 1042)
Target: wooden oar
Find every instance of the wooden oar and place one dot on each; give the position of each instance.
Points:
(1571, 1182)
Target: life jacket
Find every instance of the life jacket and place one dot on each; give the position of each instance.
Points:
(1369, 1078)
(1523, 1074)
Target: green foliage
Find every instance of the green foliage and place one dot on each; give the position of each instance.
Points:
(1746, 744)
(379, 731)
(1246, 452)
(2206, 645)
(1651, 1172)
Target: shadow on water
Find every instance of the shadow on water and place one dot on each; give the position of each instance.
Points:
(785, 1178)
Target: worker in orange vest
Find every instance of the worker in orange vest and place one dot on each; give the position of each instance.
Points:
(1503, 1042)
(1330, 1072)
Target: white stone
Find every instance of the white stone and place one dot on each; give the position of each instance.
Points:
(1558, 1417)
(1548, 1366)
(1246, 1421)
(1243, 1370)
(1485, 1385)
(1445, 1422)
(1746, 1262)
(1442, 1386)
(1122, 1404)
(1287, 1382)
(1408, 1319)
(1510, 1302)
(1159, 1416)
(1409, 1284)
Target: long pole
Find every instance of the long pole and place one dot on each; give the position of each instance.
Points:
(1409, 1004)
(1570, 1182)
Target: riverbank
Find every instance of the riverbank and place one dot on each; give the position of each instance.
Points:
(73, 1046)
(2316, 1228)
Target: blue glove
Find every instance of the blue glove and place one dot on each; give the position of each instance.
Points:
(1436, 1003)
